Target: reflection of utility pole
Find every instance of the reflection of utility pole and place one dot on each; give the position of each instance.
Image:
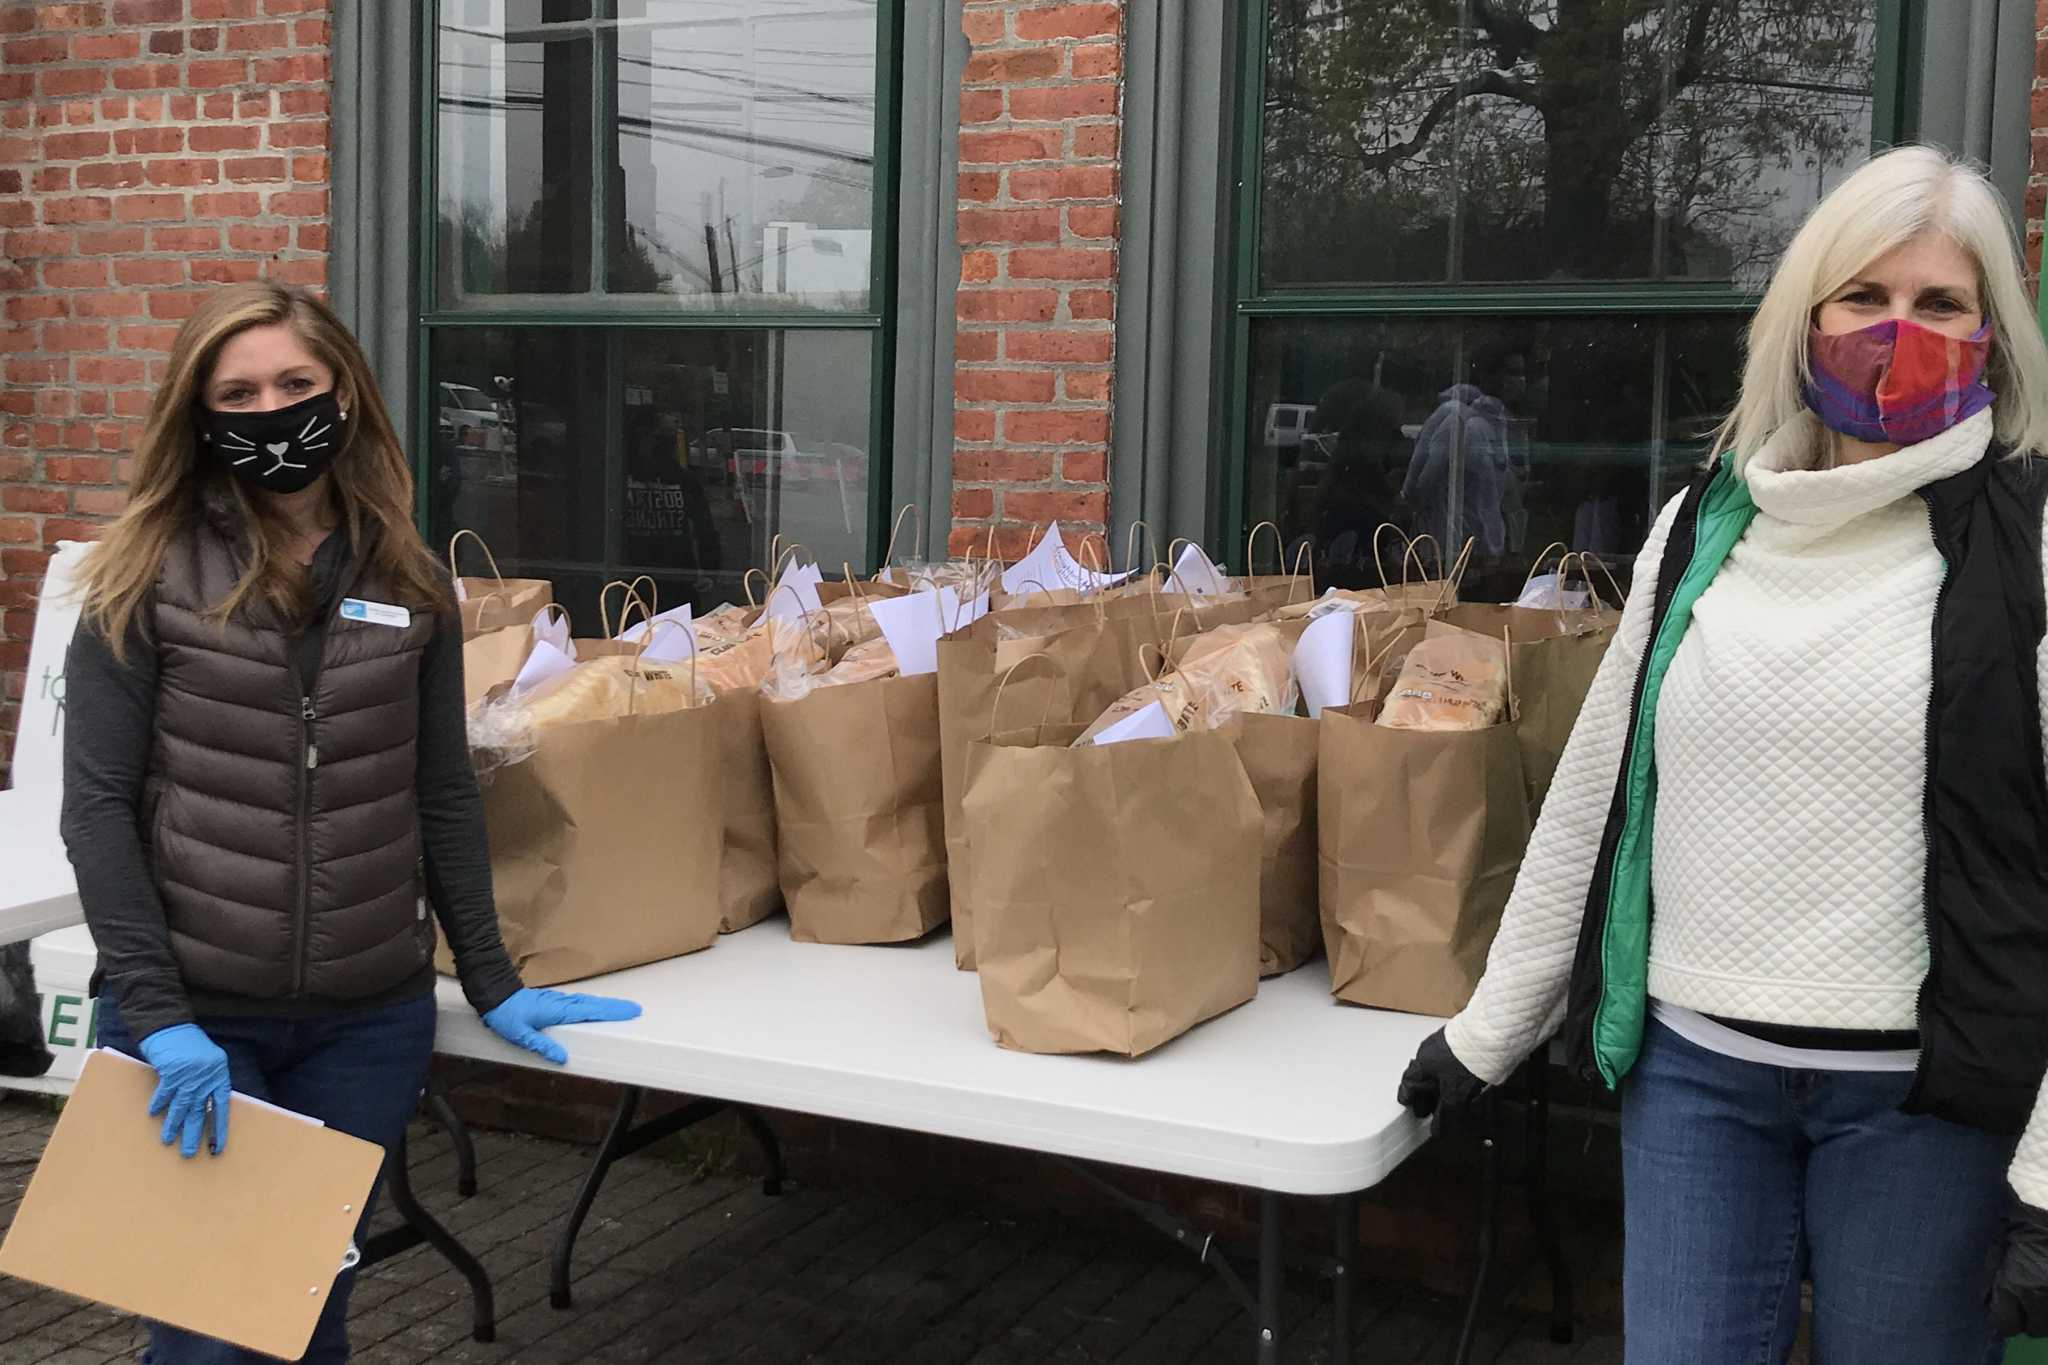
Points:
(711, 254)
(732, 259)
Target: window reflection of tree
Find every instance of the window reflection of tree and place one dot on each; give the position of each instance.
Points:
(1463, 139)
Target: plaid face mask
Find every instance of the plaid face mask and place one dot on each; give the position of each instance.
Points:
(1897, 381)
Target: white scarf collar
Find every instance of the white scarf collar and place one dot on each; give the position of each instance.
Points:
(1785, 484)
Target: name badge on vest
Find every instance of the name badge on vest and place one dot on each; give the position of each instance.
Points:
(375, 613)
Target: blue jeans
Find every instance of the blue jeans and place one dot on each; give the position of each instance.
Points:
(1742, 1179)
(359, 1072)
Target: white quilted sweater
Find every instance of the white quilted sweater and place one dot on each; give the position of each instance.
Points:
(1788, 856)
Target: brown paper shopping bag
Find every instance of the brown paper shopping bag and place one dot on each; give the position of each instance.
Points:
(859, 810)
(1116, 887)
(748, 887)
(1420, 834)
(1097, 656)
(1553, 655)
(492, 657)
(605, 839)
(496, 602)
(1279, 758)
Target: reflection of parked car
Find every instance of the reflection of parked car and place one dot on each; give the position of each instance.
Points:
(758, 454)
(469, 420)
(1285, 422)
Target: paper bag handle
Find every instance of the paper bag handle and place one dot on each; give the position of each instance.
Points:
(747, 586)
(1587, 562)
(1029, 586)
(1360, 643)
(1376, 660)
(995, 706)
(1507, 654)
(1448, 593)
(569, 620)
(653, 594)
(860, 599)
(889, 555)
(1131, 545)
(1088, 557)
(806, 616)
(1542, 558)
(604, 609)
(1380, 565)
(1279, 546)
(1193, 598)
(789, 553)
(489, 558)
(633, 674)
(1304, 571)
(988, 549)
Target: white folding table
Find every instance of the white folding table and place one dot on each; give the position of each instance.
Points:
(1292, 1094)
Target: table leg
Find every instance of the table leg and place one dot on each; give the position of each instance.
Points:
(1271, 1286)
(458, 1134)
(420, 1226)
(614, 1147)
(771, 1150)
(1489, 1230)
(1536, 1190)
(1344, 1244)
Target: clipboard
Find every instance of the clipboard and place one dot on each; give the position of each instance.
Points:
(244, 1246)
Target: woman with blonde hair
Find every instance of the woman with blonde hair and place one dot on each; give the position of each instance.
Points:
(267, 770)
(1815, 752)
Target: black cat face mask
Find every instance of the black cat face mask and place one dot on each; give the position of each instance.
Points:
(281, 451)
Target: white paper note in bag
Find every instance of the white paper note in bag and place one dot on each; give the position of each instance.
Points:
(1545, 593)
(552, 626)
(1149, 721)
(543, 663)
(672, 641)
(912, 626)
(1195, 575)
(1322, 661)
(637, 632)
(795, 594)
(1040, 568)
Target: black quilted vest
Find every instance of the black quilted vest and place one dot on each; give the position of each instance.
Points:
(282, 829)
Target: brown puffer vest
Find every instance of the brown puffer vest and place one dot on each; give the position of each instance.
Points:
(283, 829)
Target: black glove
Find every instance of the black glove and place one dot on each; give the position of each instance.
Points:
(1437, 1083)
(2019, 1293)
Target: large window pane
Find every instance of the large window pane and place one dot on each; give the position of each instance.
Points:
(1453, 140)
(513, 112)
(589, 454)
(745, 152)
(1514, 433)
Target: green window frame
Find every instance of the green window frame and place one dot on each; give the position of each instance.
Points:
(615, 313)
(1895, 117)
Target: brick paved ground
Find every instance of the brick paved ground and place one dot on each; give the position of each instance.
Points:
(675, 1265)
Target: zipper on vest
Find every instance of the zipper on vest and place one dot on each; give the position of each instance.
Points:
(1927, 801)
(310, 760)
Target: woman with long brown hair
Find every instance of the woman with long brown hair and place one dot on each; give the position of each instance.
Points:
(267, 779)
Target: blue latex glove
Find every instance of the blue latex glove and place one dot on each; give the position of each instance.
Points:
(191, 1084)
(527, 1011)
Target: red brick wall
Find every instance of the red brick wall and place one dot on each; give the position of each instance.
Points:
(148, 150)
(1040, 133)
